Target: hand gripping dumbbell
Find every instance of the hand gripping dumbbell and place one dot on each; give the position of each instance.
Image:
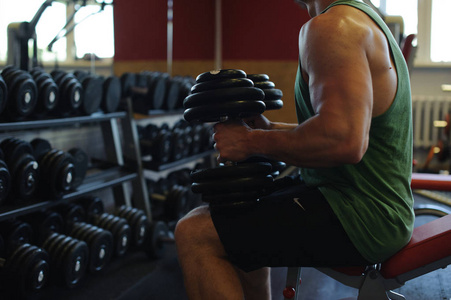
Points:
(48, 93)
(117, 226)
(22, 93)
(24, 270)
(69, 257)
(99, 240)
(214, 98)
(23, 168)
(61, 171)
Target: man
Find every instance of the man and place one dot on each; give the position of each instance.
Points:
(353, 144)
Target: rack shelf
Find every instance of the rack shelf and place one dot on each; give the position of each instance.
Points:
(157, 167)
(97, 180)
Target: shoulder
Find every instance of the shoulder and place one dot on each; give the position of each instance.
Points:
(340, 24)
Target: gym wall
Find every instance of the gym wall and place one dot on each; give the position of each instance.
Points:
(257, 37)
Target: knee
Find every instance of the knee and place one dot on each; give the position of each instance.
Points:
(188, 230)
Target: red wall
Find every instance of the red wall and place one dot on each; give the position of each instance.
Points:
(257, 30)
(261, 30)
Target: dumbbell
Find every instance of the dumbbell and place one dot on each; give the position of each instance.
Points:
(119, 227)
(26, 267)
(3, 94)
(99, 241)
(60, 171)
(150, 237)
(5, 179)
(273, 96)
(156, 142)
(48, 93)
(176, 201)
(92, 91)
(213, 99)
(23, 272)
(149, 91)
(69, 257)
(22, 166)
(22, 93)
(70, 93)
(111, 95)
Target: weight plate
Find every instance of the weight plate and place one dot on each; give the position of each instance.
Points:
(258, 77)
(40, 147)
(214, 113)
(128, 80)
(173, 88)
(154, 246)
(229, 198)
(221, 84)
(25, 177)
(74, 263)
(264, 84)
(22, 98)
(273, 104)
(111, 94)
(3, 94)
(220, 74)
(240, 184)
(220, 96)
(239, 170)
(92, 205)
(5, 182)
(158, 92)
(80, 162)
(273, 94)
(92, 94)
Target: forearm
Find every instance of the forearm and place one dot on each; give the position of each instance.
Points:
(313, 144)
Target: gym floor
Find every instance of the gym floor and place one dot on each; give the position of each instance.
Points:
(136, 277)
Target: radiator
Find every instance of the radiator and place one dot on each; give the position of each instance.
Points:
(426, 110)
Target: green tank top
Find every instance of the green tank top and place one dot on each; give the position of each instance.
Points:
(372, 199)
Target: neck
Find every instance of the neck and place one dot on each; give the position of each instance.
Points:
(315, 7)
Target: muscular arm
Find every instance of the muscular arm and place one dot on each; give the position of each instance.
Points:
(336, 67)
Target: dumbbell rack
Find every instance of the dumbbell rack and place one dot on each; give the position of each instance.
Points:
(115, 174)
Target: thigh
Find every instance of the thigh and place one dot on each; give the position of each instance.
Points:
(294, 226)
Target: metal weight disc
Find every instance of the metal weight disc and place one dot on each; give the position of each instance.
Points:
(273, 104)
(264, 84)
(5, 182)
(128, 80)
(74, 262)
(273, 94)
(3, 94)
(233, 109)
(239, 170)
(111, 94)
(258, 77)
(80, 162)
(219, 96)
(221, 84)
(25, 95)
(220, 74)
(154, 246)
(40, 147)
(92, 94)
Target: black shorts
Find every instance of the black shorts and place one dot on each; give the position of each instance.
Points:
(292, 227)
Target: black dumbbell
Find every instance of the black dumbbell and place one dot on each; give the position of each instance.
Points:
(24, 272)
(111, 95)
(176, 202)
(3, 94)
(99, 241)
(273, 96)
(119, 227)
(69, 257)
(70, 93)
(92, 91)
(22, 166)
(22, 93)
(58, 169)
(157, 143)
(48, 93)
(5, 179)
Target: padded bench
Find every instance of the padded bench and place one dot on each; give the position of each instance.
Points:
(429, 249)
